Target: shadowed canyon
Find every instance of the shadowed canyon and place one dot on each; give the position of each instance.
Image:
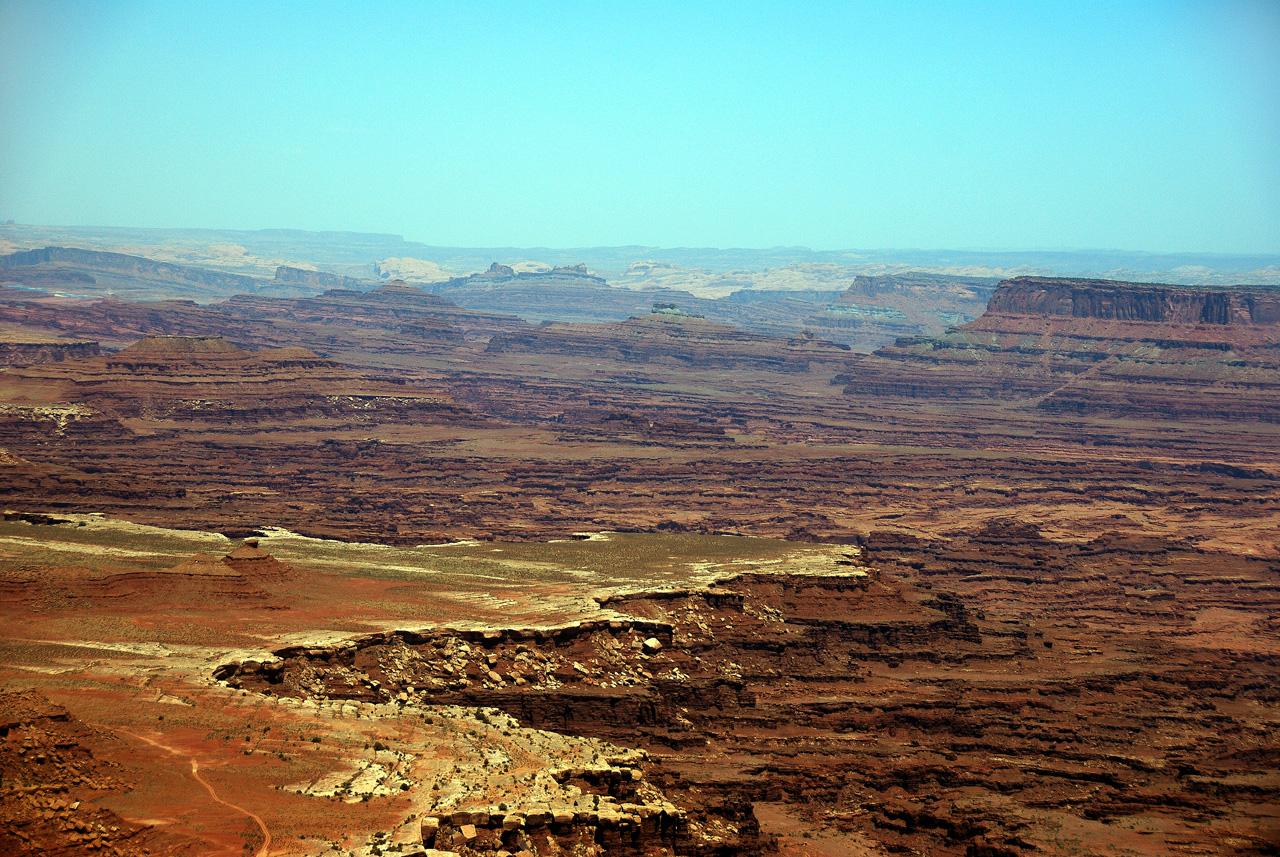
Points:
(525, 563)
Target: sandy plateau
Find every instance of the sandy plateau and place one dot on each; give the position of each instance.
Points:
(120, 737)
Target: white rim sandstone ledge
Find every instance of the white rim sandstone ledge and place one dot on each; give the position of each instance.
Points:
(491, 828)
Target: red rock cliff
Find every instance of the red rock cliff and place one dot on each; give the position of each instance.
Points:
(1105, 299)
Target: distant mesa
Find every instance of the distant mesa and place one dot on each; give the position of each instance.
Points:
(673, 310)
(402, 287)
(131, 272)
(669, 336)
(163, 345)
(251, 561)
(499, 274)
(1098, 348)
(1136, 302)
(97, 271)
(395, 316)
(578, 270)
(497, 270)
(319, 279)
(408, 268)
(919, 283)
(874, 308)
(562, 294)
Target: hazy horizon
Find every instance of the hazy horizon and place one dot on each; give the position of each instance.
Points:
(1148, 128)
(99, 232)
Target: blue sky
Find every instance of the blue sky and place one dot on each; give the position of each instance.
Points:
(1143, 126)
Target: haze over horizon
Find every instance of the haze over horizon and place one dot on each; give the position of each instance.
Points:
(1152, 126)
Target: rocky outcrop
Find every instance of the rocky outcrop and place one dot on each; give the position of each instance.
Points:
(694, 669)
(413, 318)
(1031, 675)
(113, 267)
(27, 353)
(875, 310)
(206, 378)
(1089, 347)
(668, 337)
(505, 274)
(1136, 302)
(350, 325)
(319, 280)
(498, 271)
(49, 777)
(626, 829)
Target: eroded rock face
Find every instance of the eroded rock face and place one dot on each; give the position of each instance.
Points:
(352, 325)
(1136, 302)
(138, 268)
(1091, 347)
(318, 279)
(1000, 688)
(241, 579)
(28, 353)
(701, 666)
(673, 338)
(393, 308)
(1038, 699)
(205, 377)
(47, 770)
(668, 422)
(874, 311)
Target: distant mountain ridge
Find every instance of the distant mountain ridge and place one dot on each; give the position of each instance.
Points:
(366, 249)
(102, 271)
(137, 266)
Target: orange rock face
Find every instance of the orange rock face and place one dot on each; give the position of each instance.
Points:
(48, 775)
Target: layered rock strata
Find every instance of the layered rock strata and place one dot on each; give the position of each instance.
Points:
(27, 350)
(875, 310)
(206, 378)
(672, 338)
(393, 307)
(352, 325)
(1091, 347)
(667, 682)
(877, 709)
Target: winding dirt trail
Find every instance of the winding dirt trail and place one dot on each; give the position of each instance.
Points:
(265, 848)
